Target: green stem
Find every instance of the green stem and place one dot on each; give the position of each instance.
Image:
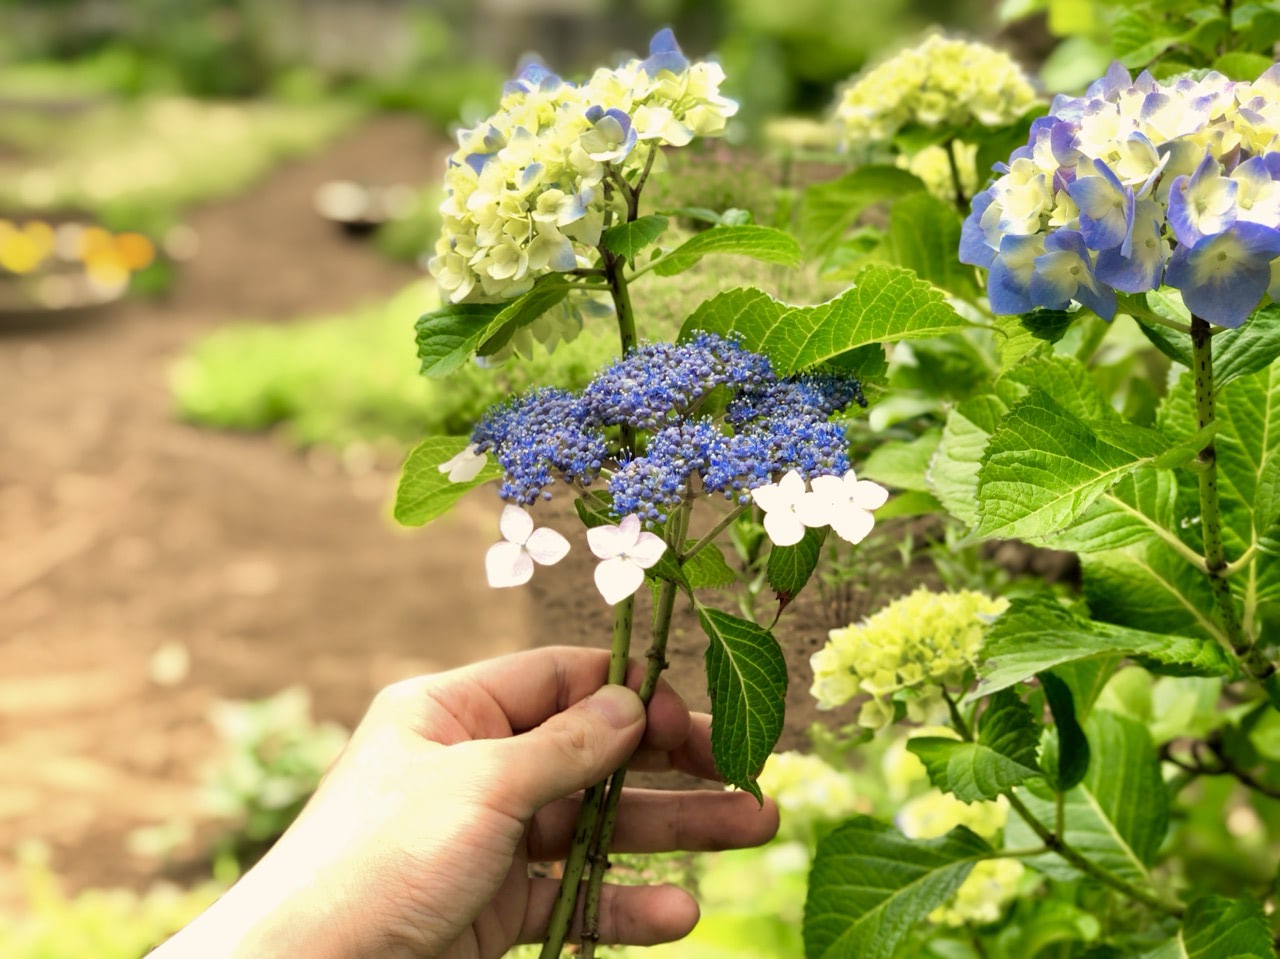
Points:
(957, 184)
(585, 832)
(657, 662)
(1087, 866)
(1217, 569)
(1056, 841)
(716, 530)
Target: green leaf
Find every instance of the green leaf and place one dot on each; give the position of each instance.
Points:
(747, 683)
(424, 492)
(595, 509)
(1151, 588)
(1047, 325)
(953, 471)
(548, 292)
(1003, 756)
(827, 210)
(1239, 65)
(1036, 634)
(707, 569)
(870, 886)
(1065, 381)
(790, 567)
(1044, 467)
(1248, 450)
(1139, 506)
(902, 464)
(923, 236)
(628, 239)
(1117, 816)
(1215, 927)
(758, 242)
(1066, 760)
(886, 304)
(1248, 348)
(449, 336)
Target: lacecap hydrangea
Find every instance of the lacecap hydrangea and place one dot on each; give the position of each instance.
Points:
(1134, 185)
(767, 427)
(529, 190)
(920, 643)
(942, 82)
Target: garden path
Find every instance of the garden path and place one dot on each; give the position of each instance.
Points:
(124, 533)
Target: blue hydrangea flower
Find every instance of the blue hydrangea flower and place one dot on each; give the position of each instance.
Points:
(754, 429)
(1134, 185)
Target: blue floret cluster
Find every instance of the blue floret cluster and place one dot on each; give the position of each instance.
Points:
(705, 409)
(1134, 185)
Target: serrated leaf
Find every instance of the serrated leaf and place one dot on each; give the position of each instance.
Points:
(1248, 348)
(902, 464)
(1066, 758)
(1065, 381)
(827, 210)
(871, 885)
(707, 569)
(747, 683)
(1003, 756)
(1139, 506)
(757, 242)
(424, 492)
(953, 472)
(1036, 634)
(790, 567)
(548, 292)
(628, 239)
(1043, 467)
(1215, 927)
(1117, 816)
(885, 305)
(1151, 588)
(449, 336)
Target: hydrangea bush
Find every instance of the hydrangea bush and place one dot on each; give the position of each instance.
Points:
(1072, 739)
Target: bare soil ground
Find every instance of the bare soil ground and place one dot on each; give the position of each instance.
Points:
(124, 532)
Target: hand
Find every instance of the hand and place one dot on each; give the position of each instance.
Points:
(418, 841)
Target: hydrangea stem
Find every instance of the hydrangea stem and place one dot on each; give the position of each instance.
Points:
(957, 184)
(1217, 569)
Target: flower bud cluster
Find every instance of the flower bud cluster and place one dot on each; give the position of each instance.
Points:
(668, 393)
(528, 190)
(923, 642)
(1135, 184)
(940, 83)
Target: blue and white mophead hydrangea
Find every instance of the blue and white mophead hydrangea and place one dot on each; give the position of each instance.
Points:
(711, 418)
(527, 190)
(1134, 185)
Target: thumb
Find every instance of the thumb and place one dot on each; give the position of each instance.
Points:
(572, 749)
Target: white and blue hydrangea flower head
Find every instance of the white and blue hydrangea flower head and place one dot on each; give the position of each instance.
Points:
(529, 190)
(1135, 185)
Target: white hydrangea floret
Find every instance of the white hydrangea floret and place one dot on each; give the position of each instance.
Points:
(511, 561)
(465, 466)
(625, 551)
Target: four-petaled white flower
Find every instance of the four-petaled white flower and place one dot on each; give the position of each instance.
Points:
(464, 467)
(625, 552)
(510, 563)
(782, 503)
(844, 503)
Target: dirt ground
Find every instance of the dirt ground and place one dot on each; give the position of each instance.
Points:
(124, 532)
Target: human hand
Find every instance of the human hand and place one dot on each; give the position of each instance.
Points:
(418, 842)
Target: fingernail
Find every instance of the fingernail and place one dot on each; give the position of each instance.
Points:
(617, 704)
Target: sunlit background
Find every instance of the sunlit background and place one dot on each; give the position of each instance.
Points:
(212, 216)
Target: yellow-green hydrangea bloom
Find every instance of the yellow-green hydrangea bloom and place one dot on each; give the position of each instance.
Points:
(942, 82)
(933, 167)
(530, 189)
(809, 790)
(922, 642)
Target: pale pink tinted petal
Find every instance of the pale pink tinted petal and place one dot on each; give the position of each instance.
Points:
(466, 466)
(516, 524)
(507, 564)
(814, 509)
(769, 497)
(828, 487)
(617, 579)
(869, 495)
(853, 524)
(647, 550)
(630, 527)
(607, 541)
(784, 528)
(792, 485)
(547, 547)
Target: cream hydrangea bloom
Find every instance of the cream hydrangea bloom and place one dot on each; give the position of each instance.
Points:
(921, 642)
(808, 790)
(529, 190)
(942, 82)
